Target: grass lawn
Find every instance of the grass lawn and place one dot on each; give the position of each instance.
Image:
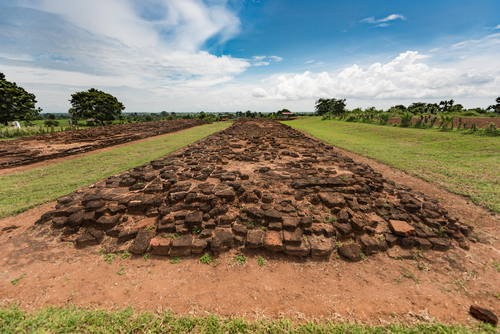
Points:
(73, 320)
(22, 190)
(462, 163)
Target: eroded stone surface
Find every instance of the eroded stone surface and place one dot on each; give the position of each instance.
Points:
(259, 185)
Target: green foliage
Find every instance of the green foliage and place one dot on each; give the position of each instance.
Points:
(261, 261)
(406, 119)
(495, 107)
(16, 281)
(78, 320)
(95, 104)
(491, 130)
(333, 106)
(15, 102)
(240, 259)
(51, 122)
(206, 259)
(175, 260)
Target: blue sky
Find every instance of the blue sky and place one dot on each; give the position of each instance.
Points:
(228, 55)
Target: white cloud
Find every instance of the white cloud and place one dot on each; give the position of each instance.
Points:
(410, 75)
(383, 22)
(497, 27)
(108, 44)
(265, 60)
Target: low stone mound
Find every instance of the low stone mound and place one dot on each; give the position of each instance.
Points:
(256, 185)
(29, 150)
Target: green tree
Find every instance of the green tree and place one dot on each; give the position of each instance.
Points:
(417, 108)
(95, 104)
(16, 104)
(446, 106)
(495, 107)
(397, 109)
(333, 106)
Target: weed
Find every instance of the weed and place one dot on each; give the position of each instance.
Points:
(146, 256)
(496, 265)
(250, 224)
(405, 273)
(206, 259)
(261, 261)
(331, 220)
(121, 271)
(109, 257)
(125, 255)
(240, 259)
(175, 260)
(197, 230)
(15, 281)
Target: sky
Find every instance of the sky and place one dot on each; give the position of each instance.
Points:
(260, 55)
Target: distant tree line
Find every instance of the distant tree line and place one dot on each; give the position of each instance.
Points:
(97, 107)
(337, 107)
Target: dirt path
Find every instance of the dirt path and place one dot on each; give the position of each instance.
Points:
(382, 288)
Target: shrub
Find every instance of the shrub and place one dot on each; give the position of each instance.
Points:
(383, 118)
(406, 119)
(51, 122)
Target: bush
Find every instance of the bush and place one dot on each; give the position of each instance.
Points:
(383, 118)
(51, 122)
(406, 119)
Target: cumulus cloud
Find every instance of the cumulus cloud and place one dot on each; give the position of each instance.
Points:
(384, 21)
(410, 75)
(113, 44)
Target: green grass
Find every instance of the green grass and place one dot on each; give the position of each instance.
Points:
(22, 190)
(74, 320)
(461, 163)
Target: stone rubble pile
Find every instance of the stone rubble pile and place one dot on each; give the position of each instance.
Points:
(28, 150)
(256, 185)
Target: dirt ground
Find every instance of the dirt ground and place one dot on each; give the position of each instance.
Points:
(30, 150)
(395, 286)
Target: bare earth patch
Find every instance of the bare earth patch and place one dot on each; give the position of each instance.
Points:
(397, 285)
(29, 150)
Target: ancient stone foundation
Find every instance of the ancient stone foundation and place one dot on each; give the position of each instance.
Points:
(28, 150)
(256, 185)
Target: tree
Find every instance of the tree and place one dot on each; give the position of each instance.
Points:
(16, 104)
(95, 104)
(334, 106)
(446, 106)
(397, 109)
(495, 107)
(417, 108)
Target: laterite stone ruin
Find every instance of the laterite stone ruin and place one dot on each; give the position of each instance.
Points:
(256, 185)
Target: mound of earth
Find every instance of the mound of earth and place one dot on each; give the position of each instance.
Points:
(29, 150)
(256, 185)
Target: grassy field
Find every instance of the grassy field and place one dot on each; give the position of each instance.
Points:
(73, 320)
(22, 190)
(464, 164)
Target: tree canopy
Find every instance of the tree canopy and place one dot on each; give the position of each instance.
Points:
(95, 104)
(333, 106)
(16, 104)
(495, 107)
